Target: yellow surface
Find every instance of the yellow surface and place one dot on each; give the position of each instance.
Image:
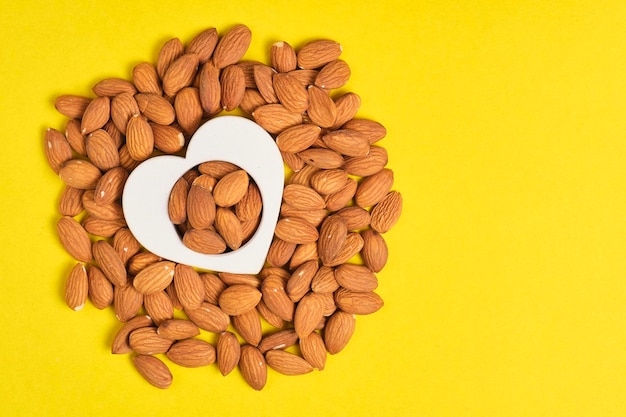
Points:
(505, 291)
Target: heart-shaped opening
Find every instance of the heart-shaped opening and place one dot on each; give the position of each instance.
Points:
(216, 207)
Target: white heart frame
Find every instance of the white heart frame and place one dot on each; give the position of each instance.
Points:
(233, 139)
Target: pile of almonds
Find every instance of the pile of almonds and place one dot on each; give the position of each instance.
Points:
(328, 244)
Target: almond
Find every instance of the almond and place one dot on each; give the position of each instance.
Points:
(298, 138)
(313, 350)
(248, 325)
(280, 252)
(342, 197)
(168, 139)
(329, 181)
(76, 287)
(139, 138)
(228, 352)
(210, 89)
(250, 205)
(231, 188)
(217, 169)
(123, 107)
(74, 239)
(290, 92)
(177, 202)
(386, 213)
(125, 244)
(253, 367)
(209, 317)
(192, 353)
(356, 277)
(74, 136)
(204, 241)
(300, 281)
(127, 302)
(303, 176)
(112, 211)
(309, 312)
(324, 280)
(171, 291)
(276, 299)
(153, 370)
(313, 217)
(301, 197)
(80, 174)
(347, 107)
(126, 161)
(96, 114)
(317, 53)
(200, 205)
(180, 73)
(281, 339)
(188, 109)
(302, 254)
(357, 302)
(189, 286)
(232, 46)
(370, 164)
(264, 80)
(338, 331)
(335, 74)
(58, 150)
(238, 299)
(100, 288)
(283, 57)
(244, 279)
(102, 228)
(322, 158)
(71, 106)
(113, 86)
(305, 76)
(272, 318)
(356, 218)
(154, 277)
(114, 132)
(322, 109)
(371, 129)
(146, 78)
(213, 287)
(203, 44)
(275, 118)
(251, 100)
(170, 51)
(120, 342)
(233, 83)
(159, 306)
(146, 341)
(229, 227)
(156, 108)
(110, 262)
(347, 142)
(295, 230)
(292, 161)
(287, 363)
(373, 189)
(247, 66)
(353, 245)
(332, 238)
(101, 150)
(177, 329)
(140, 261)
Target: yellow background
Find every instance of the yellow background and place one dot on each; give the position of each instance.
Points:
(505, 291)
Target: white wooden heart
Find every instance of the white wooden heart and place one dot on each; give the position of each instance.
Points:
(228, 138)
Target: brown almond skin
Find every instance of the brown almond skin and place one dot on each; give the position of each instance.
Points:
(353, 245)
(250, 205)
(374, 252)
(230, 189)
(127, 302)
(275, 118)
(74, 136)
(110, 263)
(204, 241)
(209, 317)
(298, 138)
(276, 299)
(322, 109)
(80, 174)
(301, 197)
(317, 53)
(355, 302)
(300, 281)
(155, 277)
(100, 288)
(387, 212)
(263, 78)
(347, 107)
(71, 105)
(374, 188)
(110, 186)
(153, 370)
(229, 227)
(146, 341)
(120, 342)
(313, 350)
(178, 329)
(238, 299)
(156, 108)
(191, 353)
(228, 352)
(125, 244)
(213, 287)
(210, 89)
(356, 218)
(249, 327)
(232, 46)
(280, 252)
(159, 306)
(102, 150)
(188, 109)
(189, 286)
(309, 312)
(139, 138)
(283, 57)
(70, 203)
(347, 142)
(356, 277)
(233, 83)
(333, 234)
(287, 363)
(295, 230)
(281, 339)
(342, 197)
(372, 130)
(335, 74)
(146, 78)
(203, 44)
(364, 166)
(113, 86)
(58, 150)
(253, 367)
(76, 287)
(96, 114)
(74, 239)
(322, 158)
(169, 52)
(338, 330)
(180, 73)
(324, 280)
(290, 92)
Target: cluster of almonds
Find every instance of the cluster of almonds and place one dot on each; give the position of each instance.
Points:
(336, 205)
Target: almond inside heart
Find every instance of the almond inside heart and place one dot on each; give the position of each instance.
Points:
(216, 207)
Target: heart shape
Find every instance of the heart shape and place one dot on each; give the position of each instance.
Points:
(232, 139)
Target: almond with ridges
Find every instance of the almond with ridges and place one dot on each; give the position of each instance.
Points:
(238, 299)
(188, 109)
(76, 287)
(290, 92)
(302, 254)
(113, 86)
(230, 189)
(387, 212)
(264, 81)
(74, 136)
(110, 262)
(140, 261)
(249, 327)
(247, 66)
(177, 329)
(146, 78)
(177, 202)
(146, 341)
(159, 306)
(210, 89)
(322, 109)
(374, 188)
(253, 367)
(96, 114)
(229, 227)
(300, 281)
(232, 46)
(347, 142)
(139, 138)
(200, 205)
(58, 150)
(312, 216)
(335, 74)
(329, 181)
(180, 73)
(338, 330)
(228, 352)
(156, 108)
(357, 302)
(112, 211)
(309, 312)
(322, 158)
(209, 317)
(101, 150)
(204, 241)
(275, 118)
(356, 277)
(191, 353)
(371, 129)
(324, 280)
(125, 244)
(168, 139)
(333, 235)
(342, 197)
(370, 164)
(251, 100)
(353, 245)
(203, 44)
(287, 363)
(110, 186)
(356, 218)
(298, 138)
(80, 174)
(276, 299)
(313, 350)
(347, 107)
(283, 57)
(102, 228)
(189, 286)
(250, 205)
(154, 277)
(295, 230)
(233, 87)
(71, 105)
(301, 197)
(281, 339)
(153, 370)
(280, 252)
(74, 239)
(127, 302)
(120, 341)
(317, 53)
